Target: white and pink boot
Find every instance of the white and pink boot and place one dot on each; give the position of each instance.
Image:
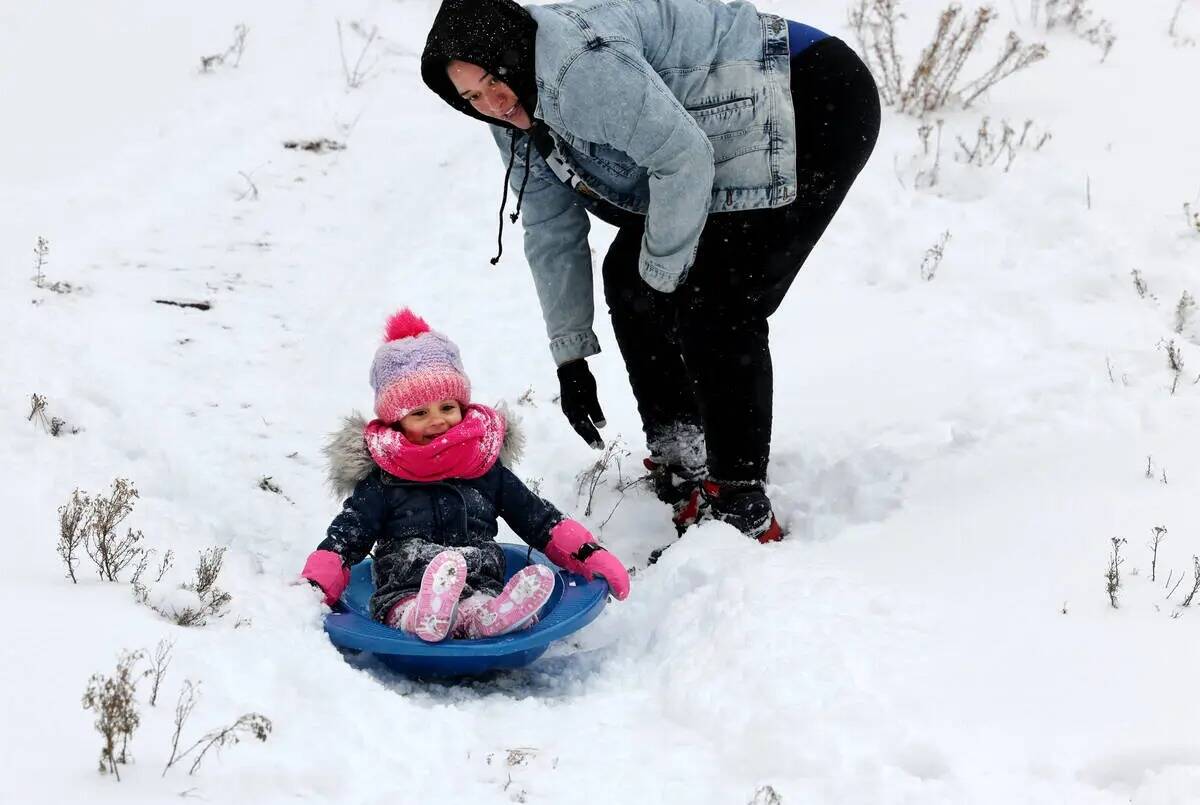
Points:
(513, 609)
(431, 613)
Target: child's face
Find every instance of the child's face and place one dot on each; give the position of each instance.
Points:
(424, 424)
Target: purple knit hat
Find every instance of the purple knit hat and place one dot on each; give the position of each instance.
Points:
(415, 366)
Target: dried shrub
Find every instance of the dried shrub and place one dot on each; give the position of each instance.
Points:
(158, 667)
(589, 480)
(933, 257)
(1159, 534)
(766, 795)
(936, 80)
(1075, 17)
(252, 725)
(231, 56)
(1192, 218)
(208, 600)
(1139, 284)
(990, 147)
(112, 699)
(1187, 602)
(1174, 362)
(71, 532)
(38, 411)
(1112, 576)
(214, 599)
(183, 708)
(92, 523)
(355, 76)
(321, 145)
(110, 553)
(266, 484)
(41, 258)
(1184, 308)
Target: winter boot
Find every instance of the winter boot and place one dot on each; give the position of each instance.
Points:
(679, 489)
(677, 462)
(431, 614)
(744, 506)
(517, 604)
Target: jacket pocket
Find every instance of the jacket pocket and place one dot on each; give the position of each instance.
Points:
(730, 126)
(723, 117)
(610, 159)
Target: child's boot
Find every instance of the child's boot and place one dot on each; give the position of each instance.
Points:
(431, 614)
(744, 506)
(517, 604)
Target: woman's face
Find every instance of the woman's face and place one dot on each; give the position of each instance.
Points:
(487, 94)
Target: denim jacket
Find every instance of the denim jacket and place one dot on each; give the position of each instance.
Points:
(671, 109)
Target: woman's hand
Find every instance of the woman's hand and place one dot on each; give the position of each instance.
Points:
(579, 402)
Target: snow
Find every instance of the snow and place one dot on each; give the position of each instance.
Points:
(951, 456)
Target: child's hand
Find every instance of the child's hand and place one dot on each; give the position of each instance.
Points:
(572, 548)
(608, 567)
(325, 570)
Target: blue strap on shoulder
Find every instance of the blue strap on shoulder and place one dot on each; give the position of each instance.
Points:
(801, 37)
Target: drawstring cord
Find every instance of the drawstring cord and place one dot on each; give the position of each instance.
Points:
(512, 157)
(524, 180)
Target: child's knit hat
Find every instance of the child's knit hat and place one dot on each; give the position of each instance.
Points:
(415, 366)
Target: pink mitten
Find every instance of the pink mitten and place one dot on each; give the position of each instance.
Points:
(572, 548)
(325, 569)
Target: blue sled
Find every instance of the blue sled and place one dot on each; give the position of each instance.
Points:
(574, 604)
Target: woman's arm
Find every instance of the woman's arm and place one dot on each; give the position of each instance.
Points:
(556, 247)
(613, 97)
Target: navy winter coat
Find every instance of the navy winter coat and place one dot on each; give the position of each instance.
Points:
(409, 522)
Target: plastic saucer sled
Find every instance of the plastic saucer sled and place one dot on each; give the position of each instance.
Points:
(574, 604)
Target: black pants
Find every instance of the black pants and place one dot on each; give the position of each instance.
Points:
(700, 356)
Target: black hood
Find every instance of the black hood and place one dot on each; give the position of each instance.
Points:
(497, 35)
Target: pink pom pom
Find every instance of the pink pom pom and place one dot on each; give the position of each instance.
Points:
(404, 324)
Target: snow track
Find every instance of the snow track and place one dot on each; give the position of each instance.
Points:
(951, 456)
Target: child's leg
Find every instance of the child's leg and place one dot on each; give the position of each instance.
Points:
(466, 620)
(431, 611)
(517, 603)
(398, 615)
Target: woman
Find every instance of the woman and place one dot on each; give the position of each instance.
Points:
(720, 142)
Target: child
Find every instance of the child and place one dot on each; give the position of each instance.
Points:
(429, 480)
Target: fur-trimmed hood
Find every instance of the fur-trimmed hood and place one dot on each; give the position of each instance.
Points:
(350, 462)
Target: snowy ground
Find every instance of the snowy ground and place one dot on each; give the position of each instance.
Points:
(952, 456)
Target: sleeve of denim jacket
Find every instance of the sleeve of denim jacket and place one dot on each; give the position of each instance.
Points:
(556, 248)
(614, 97)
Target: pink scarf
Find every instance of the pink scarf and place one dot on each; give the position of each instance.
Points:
(467, 450)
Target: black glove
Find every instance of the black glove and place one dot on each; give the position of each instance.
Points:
(578, 401)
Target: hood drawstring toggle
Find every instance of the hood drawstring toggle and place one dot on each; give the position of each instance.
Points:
(512, 157)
